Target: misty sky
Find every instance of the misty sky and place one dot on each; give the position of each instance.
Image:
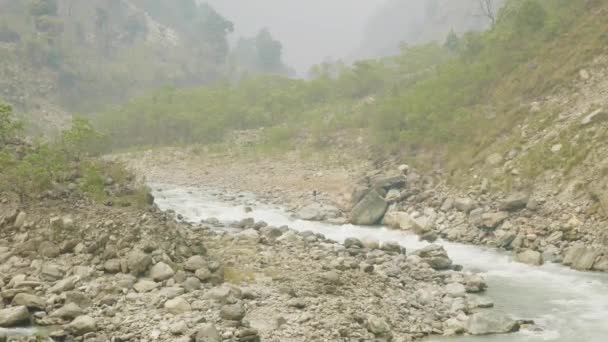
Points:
(310, 30)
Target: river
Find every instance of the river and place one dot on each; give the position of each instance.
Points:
(566, 305)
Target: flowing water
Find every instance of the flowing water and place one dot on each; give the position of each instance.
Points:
(566, 305)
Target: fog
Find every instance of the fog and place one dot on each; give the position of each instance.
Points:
(310, 30)
(314, 30)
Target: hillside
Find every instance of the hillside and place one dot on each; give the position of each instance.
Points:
(504, 94)
(77, 55)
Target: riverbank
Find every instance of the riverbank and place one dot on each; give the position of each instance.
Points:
(537, 225)
(80, 271)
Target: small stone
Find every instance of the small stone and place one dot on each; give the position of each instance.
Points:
(138, 262)
(178, 328)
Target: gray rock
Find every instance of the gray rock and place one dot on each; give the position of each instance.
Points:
(14, 316)
(573, 254)
(379, 327)
(233, 312)
(490, 322)
(455, 290)
(30, 301)
(138, 262)
(435, 256)
(587, 259)
(504, 240)
(387, 182)
(464, 204)
(112, 266)
(48, 249)
(493, 220)
(318, 212)
(161, 272)
(369, 210)
(392, 247)
(64, 285)
(191, 284)
(204, 275)
(514, 202)
(530, 257)
(178, 328)
(195, 263)
(82, 325)
(177, 306)
(68, 311)
(601, 264)
(145, 285)
(353, 242)
(20, 220)
(207, 333)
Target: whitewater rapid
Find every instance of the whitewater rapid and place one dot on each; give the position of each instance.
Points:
(566, 305)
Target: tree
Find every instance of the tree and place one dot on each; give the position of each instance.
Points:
(452, 42)
(9, 128)
(488, 10)
(269, 51)
(43, 7)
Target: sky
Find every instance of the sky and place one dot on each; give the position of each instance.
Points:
(310, 30)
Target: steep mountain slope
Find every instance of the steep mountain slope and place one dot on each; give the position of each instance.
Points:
(421, 21)
(78, 54)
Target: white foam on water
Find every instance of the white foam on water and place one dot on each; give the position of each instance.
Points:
(568, 305)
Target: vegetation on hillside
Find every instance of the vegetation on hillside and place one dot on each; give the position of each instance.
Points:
(31, 170)
(81, 54)
(452, 99)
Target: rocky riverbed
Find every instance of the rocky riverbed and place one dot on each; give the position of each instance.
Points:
(536, 224)
(75, 271)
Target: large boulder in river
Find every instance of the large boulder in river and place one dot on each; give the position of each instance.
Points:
(14, 316)
(369, 210)
(435, 256)
(530, 257)
(581, 257)
(490, 322)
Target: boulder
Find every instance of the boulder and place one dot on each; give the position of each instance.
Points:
(145, 285)
(138, 262)
(490, 322)
(177, 306)
(369, 210)
(161, 272)
(514, 202)
(392, 247)
(455, 290)
(82, 325)
(504, 240)
(194, 263)
(207, 333)
(464, 204)
(379, 327)
(435, 256)
(573, 254)
(353, 242)
(30, 301)
(20, 220)
(587, 259)
(68, 311)
(530, 257)
(232, 312)
(387, 182)
(493, 220)
(14, 316)
(318, 212)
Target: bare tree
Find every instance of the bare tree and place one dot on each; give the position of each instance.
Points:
(488, 10)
